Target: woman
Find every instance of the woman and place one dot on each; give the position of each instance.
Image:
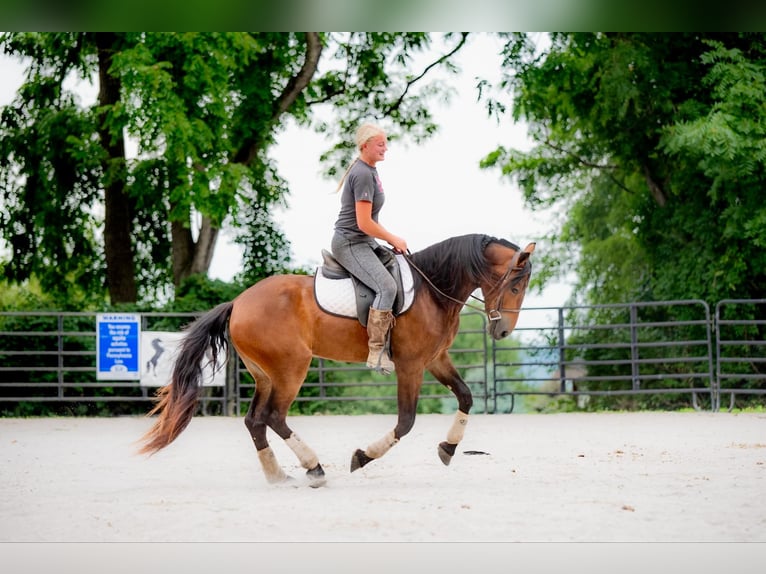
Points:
(354, 241)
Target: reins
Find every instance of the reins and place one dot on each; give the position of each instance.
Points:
(494, 314)
(439, 291)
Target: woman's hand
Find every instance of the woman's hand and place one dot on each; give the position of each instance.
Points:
(374, 229)
(399, 244)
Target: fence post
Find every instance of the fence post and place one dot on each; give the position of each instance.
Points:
(562, 354)
(634, 368)
(231, 390)
(322, 382)
(60, 358)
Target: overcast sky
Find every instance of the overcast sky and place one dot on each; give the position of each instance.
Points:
(433, 190)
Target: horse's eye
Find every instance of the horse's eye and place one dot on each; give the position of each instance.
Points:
(515, 290)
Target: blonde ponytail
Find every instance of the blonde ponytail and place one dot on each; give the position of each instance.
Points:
(343, 179)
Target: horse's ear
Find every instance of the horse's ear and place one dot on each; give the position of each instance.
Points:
(524, 255)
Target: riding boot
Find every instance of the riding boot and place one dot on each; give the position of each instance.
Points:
(378, 325)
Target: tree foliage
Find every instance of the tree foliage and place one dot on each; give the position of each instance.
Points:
(137, 186)
(653, 146)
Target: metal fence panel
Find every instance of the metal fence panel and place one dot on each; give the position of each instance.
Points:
(655, 348)
(50, 357)
(623, 349)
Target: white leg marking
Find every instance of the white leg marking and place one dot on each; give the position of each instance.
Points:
(271, 468)
(304, 453)
(457, 430)
(382, 446)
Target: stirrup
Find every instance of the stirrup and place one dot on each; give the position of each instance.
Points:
(378, 365)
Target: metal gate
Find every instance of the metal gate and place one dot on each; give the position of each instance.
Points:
(740, 348)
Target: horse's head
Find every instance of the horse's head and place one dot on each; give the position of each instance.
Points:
(504, 293)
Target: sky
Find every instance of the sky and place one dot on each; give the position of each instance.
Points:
(434, 190)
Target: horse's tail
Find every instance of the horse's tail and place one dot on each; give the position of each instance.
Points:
(177, 401)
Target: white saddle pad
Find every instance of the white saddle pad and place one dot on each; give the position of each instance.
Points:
(337, 296)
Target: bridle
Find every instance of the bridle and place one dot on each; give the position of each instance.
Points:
(507, 281)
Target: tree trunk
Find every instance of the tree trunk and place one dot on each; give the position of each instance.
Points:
(657, 193)
(203, 255)
(182, 251)
(118, 207)
(190, 257)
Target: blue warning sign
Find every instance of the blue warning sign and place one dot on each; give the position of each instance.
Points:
(117, 347)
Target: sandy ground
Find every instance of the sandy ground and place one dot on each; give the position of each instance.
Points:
(644, 477)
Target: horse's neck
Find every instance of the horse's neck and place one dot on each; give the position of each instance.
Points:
(451, 298)
(457, 291)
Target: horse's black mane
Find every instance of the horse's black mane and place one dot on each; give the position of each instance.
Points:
(452, 263)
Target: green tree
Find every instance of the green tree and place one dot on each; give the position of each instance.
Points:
(203, 110)
(49, 176)
(653, 146)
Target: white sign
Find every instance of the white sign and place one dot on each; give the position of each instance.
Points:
(159, 350)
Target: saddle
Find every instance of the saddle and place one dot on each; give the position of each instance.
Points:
(338, 292)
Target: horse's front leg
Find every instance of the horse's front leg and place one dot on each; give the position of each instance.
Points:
(407, 391)
(446, 373)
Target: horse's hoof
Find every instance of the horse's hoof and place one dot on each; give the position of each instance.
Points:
(446, 452)
(316, 476)
(359, 459)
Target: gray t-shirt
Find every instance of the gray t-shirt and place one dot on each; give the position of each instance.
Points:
(362, 184)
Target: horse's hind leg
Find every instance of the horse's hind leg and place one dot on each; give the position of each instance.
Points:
(256, 424)
(305, 454)
(269, 409)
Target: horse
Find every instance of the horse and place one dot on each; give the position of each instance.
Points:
(276, 327)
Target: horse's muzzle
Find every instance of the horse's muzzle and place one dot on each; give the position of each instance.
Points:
(499, 329)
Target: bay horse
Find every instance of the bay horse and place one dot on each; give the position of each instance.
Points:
(276, 327)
